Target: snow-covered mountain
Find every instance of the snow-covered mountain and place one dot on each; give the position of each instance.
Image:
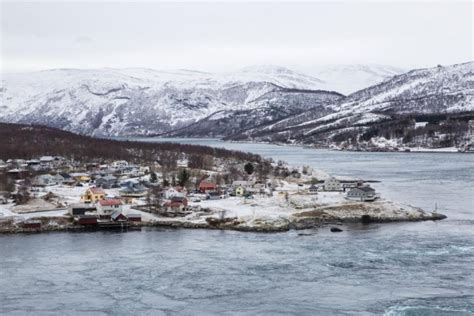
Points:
(348, 79)
(146, 101)
(441, 91)
(268, 103)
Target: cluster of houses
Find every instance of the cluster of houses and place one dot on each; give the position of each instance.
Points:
(133, 186)
(47, 165)
(96, 209)
(357, 191)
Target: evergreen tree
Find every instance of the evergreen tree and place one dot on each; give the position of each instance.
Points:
(153, 177)
(249, 168)
(183, 177)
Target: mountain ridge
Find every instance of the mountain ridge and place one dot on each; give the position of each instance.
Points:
(254, 103)
(395, 103)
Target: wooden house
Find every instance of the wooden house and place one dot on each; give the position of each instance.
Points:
(134, 217)
(364, 194)
(93, 195)
(206, 186)
(118, 216)
(107, 182)
(109, 206)
(332, 184)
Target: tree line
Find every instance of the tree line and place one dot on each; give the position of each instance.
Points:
(25, 141)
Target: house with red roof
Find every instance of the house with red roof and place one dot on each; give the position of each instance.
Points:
(176, 203)
(109, 206)
(206, 186)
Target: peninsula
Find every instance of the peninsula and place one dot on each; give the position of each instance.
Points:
(63, 181)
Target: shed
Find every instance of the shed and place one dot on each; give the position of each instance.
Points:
(86, 220)
(134, 217)
(118, 216)
(81, 209)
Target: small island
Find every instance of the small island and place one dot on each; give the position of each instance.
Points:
(92, 184)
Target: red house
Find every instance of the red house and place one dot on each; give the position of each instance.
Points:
(134, 217)
(86, 220)
(118, 216)
(205, 186)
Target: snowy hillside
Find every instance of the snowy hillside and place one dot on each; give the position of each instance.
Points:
(143, 101)
(268, 103)
(348, 79)
(434, 94)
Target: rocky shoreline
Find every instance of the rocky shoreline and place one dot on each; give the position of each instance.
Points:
(326, 216)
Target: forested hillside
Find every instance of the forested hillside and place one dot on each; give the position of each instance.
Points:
(24, 142)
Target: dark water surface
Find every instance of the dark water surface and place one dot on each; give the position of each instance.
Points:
(422, 268)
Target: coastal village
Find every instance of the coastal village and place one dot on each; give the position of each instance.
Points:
(54, 193)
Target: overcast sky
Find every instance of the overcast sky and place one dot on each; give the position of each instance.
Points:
(226, 36)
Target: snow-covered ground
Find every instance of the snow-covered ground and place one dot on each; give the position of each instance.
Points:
(7, 213)
(289, 203)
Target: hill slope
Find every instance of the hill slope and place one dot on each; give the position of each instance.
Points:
(143, 101)
(40, 140)
(348, 79)
(444, 92)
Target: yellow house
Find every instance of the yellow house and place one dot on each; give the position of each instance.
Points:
(93, 195)
(240, 191)
(81, 177)
(84, 178)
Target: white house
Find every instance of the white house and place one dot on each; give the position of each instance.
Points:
(365, 193)
(183, 163)
(174, 192)
(46, 161)
(332, 184)
(420, 124)
(107, 207)
(119, 164)
(48, 179)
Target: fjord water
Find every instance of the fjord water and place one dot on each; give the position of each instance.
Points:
(424, 268)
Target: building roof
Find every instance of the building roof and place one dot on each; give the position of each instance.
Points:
(96, 190)
(86, 216)
(139, 188)
(47, 158)
(365, 189)
(110, 202)
(207, 184)
(173, 204)
(108, 178)
(116, 215)
(82, 205)
(79, 174)
(179, 199)
(241, 183)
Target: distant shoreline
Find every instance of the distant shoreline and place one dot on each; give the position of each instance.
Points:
(444, 150)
